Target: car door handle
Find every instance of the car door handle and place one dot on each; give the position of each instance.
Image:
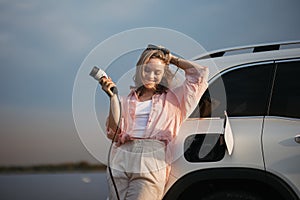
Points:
(297, 138)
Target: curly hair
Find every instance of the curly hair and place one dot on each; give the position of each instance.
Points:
(143, 60)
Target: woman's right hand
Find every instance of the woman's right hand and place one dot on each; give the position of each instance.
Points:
(107, 84)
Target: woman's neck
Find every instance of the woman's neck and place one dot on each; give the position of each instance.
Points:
(146, 94)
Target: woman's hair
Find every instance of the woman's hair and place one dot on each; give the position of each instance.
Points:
(143, 60)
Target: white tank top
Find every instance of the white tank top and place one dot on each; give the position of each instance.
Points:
(142, 112)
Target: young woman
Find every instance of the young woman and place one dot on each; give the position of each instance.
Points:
(151, 116)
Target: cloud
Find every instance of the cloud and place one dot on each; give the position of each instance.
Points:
(42, 44)
(54, 34)
(34, 136)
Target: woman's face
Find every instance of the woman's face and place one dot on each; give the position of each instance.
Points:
(153, 72)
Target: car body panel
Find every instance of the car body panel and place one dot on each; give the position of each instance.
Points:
(282, 153)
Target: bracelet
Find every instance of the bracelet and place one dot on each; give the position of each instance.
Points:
(176, 61)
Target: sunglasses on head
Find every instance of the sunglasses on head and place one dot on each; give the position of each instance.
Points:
(154, 47)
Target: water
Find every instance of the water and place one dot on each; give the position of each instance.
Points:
(68, 186)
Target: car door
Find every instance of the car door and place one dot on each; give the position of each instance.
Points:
(247, 92)
(282, 126)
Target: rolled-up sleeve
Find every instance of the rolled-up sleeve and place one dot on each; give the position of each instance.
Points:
(192, 89)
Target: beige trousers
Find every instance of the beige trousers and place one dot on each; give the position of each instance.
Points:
(139, 170)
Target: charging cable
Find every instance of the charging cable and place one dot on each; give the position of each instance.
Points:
(110, 149)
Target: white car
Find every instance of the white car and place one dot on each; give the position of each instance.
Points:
(255, 153)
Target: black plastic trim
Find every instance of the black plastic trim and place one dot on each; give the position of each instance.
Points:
(266, 48)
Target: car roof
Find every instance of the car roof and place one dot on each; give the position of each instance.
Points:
(220, 60)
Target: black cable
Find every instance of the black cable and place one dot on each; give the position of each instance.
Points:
(110, 148)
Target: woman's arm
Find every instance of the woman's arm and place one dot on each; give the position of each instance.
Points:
(190, 92)
(114, 113)
(114, 110)
(185, 64)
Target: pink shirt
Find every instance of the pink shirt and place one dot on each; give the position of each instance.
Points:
(168, 110)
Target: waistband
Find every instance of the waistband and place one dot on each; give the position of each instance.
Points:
(147, 141)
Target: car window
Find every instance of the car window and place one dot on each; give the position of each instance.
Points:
(247, 93)
(286, 92)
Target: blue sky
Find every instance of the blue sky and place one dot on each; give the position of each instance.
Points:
(43, 43)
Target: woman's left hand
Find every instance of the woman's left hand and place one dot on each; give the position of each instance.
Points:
(123, 138)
